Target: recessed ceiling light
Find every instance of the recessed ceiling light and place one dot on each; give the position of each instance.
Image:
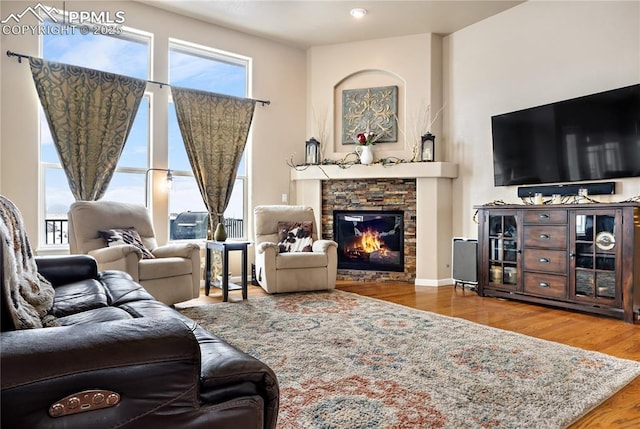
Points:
(358, 12)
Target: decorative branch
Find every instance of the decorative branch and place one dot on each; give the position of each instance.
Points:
(292, 164)
(322, 130)
(436, 117)
(422, 125)
(349, 160)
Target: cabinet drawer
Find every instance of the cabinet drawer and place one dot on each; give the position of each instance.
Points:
(545, 285)
(545, 216)
(548, 261)
(546, 236)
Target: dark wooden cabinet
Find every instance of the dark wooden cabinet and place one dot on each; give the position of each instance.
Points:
(580, 256)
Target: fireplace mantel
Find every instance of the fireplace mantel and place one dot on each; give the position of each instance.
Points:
(407, 170)
(433, 203)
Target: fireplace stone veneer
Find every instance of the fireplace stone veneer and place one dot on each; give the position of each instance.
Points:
(383, 195)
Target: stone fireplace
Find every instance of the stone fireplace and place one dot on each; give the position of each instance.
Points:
(420, 190)
(375, 209)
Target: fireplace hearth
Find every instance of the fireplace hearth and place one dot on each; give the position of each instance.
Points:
(369, 240)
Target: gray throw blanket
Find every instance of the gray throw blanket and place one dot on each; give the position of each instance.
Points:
(28, 295)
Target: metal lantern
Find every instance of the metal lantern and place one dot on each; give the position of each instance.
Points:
(428, 148)
(312, 152)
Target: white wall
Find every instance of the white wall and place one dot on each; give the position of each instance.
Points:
(532, 54)
(403, 61)
(414, 64)
(279, 75)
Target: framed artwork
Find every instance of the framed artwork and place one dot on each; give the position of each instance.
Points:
(370, 109)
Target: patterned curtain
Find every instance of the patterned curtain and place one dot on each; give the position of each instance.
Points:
(90, 114)
(214, 128)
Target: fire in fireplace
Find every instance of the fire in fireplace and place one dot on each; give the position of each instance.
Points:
(369, 240)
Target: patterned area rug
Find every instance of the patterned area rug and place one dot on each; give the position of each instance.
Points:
(347, 361)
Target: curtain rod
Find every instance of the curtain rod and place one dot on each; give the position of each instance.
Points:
(21, 56)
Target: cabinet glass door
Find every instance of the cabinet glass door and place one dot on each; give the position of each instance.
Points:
(595, 256)
(503, 250)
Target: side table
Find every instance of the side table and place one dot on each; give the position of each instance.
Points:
(224, 247)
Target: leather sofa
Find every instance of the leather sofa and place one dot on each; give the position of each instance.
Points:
(120, 358)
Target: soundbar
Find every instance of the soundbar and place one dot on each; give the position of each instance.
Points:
(599, 188)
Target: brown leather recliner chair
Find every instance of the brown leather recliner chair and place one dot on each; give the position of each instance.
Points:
(119, 358)
(167, 371)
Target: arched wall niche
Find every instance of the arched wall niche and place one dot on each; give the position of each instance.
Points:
(369, 78)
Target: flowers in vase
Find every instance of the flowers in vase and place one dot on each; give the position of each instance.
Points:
(366, 139)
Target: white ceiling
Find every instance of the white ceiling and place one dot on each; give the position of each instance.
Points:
(306, 23)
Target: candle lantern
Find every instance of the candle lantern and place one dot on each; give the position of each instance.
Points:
(312, 152)
(428, 147)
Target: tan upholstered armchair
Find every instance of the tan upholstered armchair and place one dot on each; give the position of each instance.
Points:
(281, 265)
(171, 274)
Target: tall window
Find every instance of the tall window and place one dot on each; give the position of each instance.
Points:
(129, 54)
(126, 54)
(206, 69)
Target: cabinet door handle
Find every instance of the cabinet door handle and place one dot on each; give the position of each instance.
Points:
(544, 260)
(543, 216)
(545, 236)
(544, 284)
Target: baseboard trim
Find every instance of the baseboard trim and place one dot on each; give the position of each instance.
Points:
(433, 283)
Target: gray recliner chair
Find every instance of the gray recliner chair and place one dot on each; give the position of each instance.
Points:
(278, 268)
(171, 274)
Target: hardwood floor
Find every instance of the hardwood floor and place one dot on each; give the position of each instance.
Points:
(610, 336)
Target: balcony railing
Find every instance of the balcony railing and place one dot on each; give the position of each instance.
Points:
(57, 230)
(234, 227)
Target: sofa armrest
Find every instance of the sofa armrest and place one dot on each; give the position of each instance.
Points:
(181, 250)
(265, 245)
(65, 269)
(106, 255)
(125, 257)
(265, 261)
(151, 363)
(226, 370)
(323, 245)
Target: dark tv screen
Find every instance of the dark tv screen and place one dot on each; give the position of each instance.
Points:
(587, 138)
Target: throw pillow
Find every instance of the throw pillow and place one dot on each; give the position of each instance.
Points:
(115, 237)
(295, 236)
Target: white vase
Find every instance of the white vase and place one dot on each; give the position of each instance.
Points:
(366, 154)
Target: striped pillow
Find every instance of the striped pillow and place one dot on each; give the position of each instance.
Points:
(119, 236)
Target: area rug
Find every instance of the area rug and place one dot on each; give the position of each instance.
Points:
(345, 361)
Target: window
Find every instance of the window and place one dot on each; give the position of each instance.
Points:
(126, 54)
(206, 69)
(130, 53)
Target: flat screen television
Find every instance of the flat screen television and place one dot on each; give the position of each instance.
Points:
(586, 138)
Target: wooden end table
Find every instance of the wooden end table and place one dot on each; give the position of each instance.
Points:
(224, 247)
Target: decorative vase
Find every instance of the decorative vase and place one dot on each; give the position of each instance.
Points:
(366, 154)
(221, 233)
